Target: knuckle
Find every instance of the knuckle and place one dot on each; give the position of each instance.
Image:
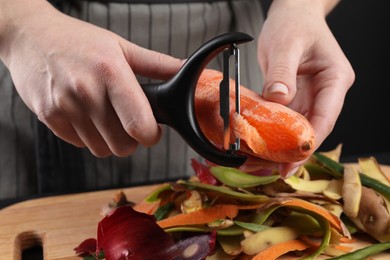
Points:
(79, 90)
(350, 76)
(106, 70)
(280, 71)
(132, 127)
(78, 143)
(100, 151)
(328, 127)
(139, 128)
(161, 58)
(75, 92)
(125, 148)
(47, 116)
(340, 76)
(344, 73)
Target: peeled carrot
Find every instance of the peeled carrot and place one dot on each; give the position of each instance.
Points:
(202, 216)
(279, 249)
(267, 130)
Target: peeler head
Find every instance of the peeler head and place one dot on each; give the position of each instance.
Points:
(176, 105)
(226, 43)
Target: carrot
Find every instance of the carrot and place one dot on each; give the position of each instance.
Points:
(280, 249)
(342, 248)
(159, 196)
(147, 207)
(313, 208)
(267, 130)
(201, 216)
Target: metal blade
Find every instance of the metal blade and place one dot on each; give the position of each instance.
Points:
(224, 99)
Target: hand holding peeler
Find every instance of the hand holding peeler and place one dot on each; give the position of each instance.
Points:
(173, 101)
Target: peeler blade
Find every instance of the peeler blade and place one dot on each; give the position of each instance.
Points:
(224, 99)
(165, 98)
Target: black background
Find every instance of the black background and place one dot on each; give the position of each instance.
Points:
(362, 30)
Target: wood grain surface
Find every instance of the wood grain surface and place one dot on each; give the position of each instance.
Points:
(60, 223)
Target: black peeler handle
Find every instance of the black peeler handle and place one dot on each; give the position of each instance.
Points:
(173, 104)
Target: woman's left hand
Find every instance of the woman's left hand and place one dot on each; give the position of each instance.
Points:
(303, 65)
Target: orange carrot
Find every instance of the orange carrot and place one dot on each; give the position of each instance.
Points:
(159, 196)
(147, 207)
(280, 249)
(342, 248)
(267, 129)
(202, 216)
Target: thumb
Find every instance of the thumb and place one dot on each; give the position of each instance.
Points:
(281, 76)
(148, 63)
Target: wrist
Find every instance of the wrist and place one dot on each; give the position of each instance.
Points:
(318, 7)
(14, 15)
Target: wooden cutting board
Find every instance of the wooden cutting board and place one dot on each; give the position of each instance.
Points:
(60, 223)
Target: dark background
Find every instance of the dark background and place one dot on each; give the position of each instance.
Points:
(362, 29)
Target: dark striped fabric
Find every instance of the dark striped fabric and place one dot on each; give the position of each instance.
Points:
(34, 161)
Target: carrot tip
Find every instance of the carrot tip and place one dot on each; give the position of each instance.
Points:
(306, 146)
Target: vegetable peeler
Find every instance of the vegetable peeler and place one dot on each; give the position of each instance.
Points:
(173, 101)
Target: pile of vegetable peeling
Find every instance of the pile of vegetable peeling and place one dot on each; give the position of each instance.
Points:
(223, 213)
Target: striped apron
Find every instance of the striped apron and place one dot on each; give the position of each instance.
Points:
(35, 162)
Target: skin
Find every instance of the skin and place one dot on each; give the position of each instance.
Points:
(296, 48)
(80, 80)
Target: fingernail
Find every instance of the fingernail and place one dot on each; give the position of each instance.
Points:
(278, 88)
(292, 172)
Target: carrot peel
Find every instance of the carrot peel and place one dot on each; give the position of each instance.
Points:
(202, 216)
(333, 220)
(279, 249)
